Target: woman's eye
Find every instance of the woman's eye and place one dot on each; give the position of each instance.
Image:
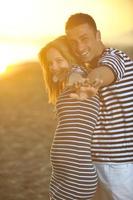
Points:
(59, 61)
(49, 63)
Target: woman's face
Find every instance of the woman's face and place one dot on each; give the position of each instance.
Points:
(57, 64)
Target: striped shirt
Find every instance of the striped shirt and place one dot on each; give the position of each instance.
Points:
(73, 174)
(113, 135)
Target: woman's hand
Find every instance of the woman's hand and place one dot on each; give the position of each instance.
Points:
(85, 89)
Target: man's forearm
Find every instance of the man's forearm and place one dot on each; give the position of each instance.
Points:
(102, 73)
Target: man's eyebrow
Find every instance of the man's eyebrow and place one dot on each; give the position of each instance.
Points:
(83, 35)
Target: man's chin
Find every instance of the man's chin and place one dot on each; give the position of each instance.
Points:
(83, 58)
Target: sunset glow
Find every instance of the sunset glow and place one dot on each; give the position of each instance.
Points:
(25, 24)
(13, 54)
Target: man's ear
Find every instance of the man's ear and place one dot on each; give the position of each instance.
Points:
(98, 35)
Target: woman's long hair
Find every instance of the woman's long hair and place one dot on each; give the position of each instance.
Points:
(54, 89)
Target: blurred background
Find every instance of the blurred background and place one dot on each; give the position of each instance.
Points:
(27, 121)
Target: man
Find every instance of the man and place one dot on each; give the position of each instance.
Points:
(112, 147)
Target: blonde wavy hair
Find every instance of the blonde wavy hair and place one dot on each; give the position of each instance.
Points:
(54, 89)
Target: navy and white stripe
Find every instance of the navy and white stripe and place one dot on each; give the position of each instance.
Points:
(113, 136)
(73, 174)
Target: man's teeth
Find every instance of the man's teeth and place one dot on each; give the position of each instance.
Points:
(84, 53)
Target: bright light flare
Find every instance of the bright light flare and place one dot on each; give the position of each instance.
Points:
(15, 53)
(7, 56)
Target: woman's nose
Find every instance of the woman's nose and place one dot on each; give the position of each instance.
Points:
(54, 67)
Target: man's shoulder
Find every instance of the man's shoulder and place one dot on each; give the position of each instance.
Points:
(114, 53)
(112, 50)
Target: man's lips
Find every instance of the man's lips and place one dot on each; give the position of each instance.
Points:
(83, 54)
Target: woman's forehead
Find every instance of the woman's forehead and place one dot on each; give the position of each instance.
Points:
(53, 52)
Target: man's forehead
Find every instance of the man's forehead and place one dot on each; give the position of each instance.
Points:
(79, 31)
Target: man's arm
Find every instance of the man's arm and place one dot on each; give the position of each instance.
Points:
(103, 73)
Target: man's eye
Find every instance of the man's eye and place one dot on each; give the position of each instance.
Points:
(85, 39)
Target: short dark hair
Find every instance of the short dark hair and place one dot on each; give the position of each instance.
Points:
(80, 18)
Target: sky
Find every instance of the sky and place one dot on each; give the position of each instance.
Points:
(27, 25)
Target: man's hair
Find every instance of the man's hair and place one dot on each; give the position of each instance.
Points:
(78, 19)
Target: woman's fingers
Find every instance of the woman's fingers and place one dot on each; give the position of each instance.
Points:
(97, 83)
(84, 90)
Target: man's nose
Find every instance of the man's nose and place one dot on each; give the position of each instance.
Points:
(80, 46)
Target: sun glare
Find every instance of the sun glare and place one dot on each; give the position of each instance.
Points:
(15, 53)
(7, 57)
(3, 66)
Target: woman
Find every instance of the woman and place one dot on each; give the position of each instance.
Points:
(73, 174)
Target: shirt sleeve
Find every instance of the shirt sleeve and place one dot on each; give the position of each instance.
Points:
(115, 62)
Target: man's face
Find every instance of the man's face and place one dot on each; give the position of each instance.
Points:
(84, 42)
